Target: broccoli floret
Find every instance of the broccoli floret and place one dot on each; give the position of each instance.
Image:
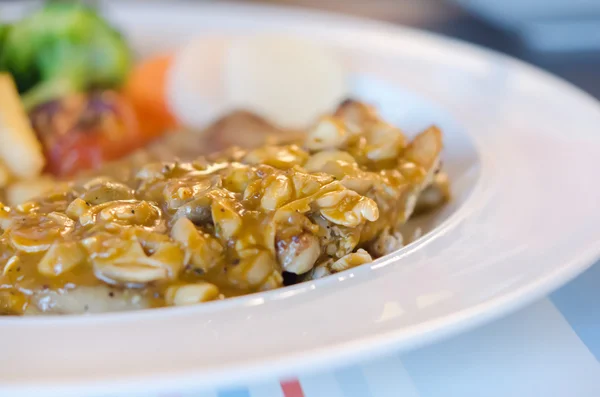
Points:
(3, 33)
(61, 49)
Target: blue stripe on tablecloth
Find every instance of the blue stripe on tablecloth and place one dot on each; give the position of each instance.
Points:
(579, 303)
(237, 392)
(534, 352)
(352, 382)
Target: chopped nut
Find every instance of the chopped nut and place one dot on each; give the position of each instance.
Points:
(77, 208)
(225, 218)
(11, 264)
(384, 142)
(328, 133)
(61, 258)
(425, 149)
(140, 258)
(254, 268)
(281, 157)
(277, 191)
(356, 116)
(357, 258)
(347, 208)
(275, 280)
(298, 254)
(202, 250)
(191, 294)
(319, 160)
(5, 217)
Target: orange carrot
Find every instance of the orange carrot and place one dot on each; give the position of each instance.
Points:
(146, 91)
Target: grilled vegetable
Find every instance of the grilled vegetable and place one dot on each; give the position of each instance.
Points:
(146, 90)
(20, 151)
(61, 49)
(83, 131)
(3, 33)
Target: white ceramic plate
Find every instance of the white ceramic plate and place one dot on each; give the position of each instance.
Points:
(522, 151)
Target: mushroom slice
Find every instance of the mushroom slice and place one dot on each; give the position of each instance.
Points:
(37, 234)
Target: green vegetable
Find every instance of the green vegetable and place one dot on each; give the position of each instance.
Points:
(61, 49)
(3, 33)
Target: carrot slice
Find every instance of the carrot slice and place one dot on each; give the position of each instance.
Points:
(146, 91)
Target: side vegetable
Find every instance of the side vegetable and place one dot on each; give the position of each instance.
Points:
(146, 90)
(20, 151)
(83, 131)
(3, 33)
(61, 49)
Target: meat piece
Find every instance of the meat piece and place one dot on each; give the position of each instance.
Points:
(242, 129)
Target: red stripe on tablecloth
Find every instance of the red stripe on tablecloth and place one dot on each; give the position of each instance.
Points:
(292, 388)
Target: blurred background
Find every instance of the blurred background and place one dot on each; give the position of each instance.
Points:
(191, 91)
(561, 36)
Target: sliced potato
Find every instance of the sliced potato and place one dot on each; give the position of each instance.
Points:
(4, 175)
(20, 149)
(287, 80)
(21, 191)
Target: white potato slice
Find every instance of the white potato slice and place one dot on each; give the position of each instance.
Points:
(288, 81)
(4, 174)
(19, 148)
(21, 191)
(195, 88)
